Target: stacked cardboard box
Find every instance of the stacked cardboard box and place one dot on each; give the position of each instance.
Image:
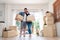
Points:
(49, 30)
(49, 20)
(11, 32)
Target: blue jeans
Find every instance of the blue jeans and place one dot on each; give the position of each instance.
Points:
(29, 27)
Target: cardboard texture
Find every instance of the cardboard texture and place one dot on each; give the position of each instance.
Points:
(49, 30)
(11, 32)
(30, 18)
(12, 27)
(19, 17)
(48, 14)
(49, 20)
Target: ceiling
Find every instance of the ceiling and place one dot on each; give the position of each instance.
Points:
(24, 1)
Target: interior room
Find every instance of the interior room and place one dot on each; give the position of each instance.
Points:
(43, 14)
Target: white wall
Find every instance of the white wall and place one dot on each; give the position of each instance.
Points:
(2, 17)
(58, 28)
(51, 5)
(8, 15)
(2, 9)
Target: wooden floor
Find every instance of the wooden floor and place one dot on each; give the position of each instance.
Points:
(32, 38)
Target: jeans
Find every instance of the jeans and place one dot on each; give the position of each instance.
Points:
(29, 27)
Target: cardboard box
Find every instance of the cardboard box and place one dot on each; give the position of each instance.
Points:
(49, 20)
(10, 33)
(13, 28)
(50, 27)
(44, 19)
(48, 14)
(30, 18)
(45, 33)
(19, 17)
(49, 31)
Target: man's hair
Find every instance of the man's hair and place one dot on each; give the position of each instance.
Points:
(25, 8)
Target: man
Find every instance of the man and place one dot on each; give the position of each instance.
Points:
(24, 22)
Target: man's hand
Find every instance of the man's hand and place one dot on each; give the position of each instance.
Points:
(27, 12)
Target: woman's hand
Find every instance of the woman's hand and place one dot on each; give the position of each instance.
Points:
(27, 12)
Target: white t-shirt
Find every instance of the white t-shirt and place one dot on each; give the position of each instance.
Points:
(24, 18)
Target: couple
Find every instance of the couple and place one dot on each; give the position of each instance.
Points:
(24, 22)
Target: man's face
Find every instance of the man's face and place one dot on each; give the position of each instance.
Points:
(25, 10)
